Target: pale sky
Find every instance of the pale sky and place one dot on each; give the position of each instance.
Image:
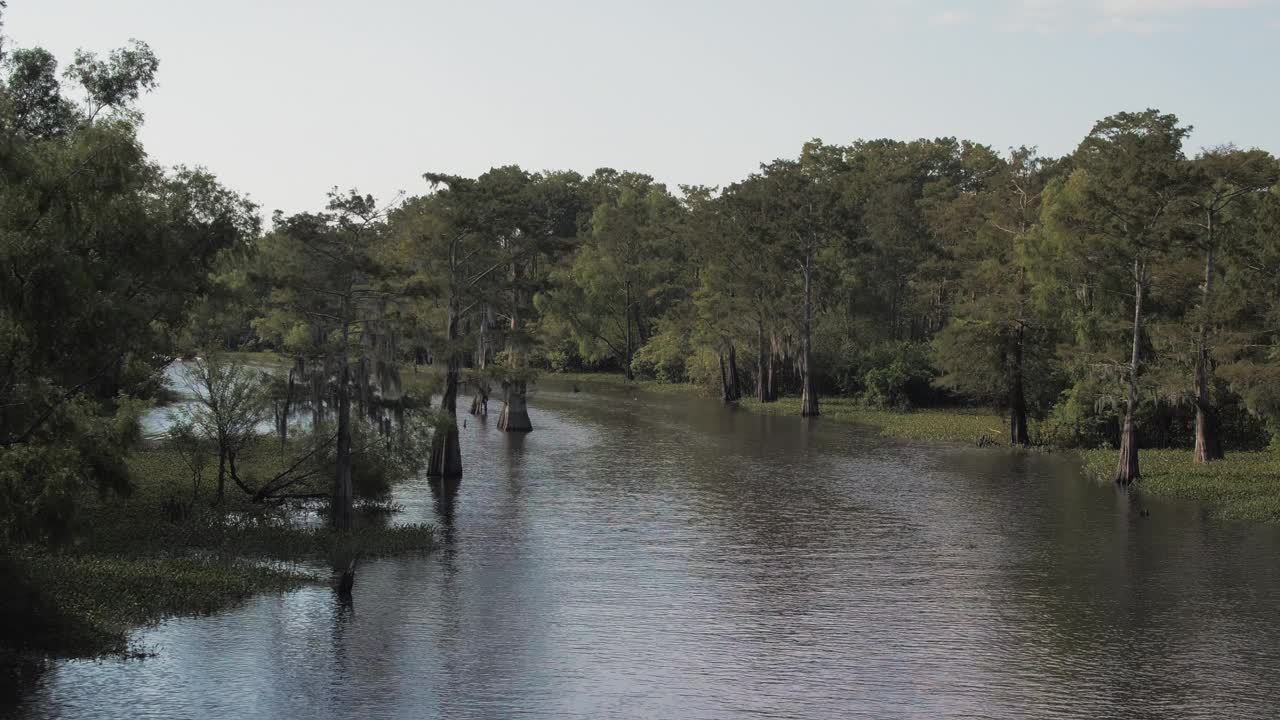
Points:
(283, 100)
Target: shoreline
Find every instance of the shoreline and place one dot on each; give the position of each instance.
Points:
(1243, 487)
(140, 559)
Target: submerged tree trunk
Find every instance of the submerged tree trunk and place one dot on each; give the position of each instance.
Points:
(1127, 470)
(771, 388)
(1018, 434)
(515, 409)
(342, 493)
(1208, 437)
(446, 455)
(808, 396)
(286, 410)
(480, 402)
(735, 387)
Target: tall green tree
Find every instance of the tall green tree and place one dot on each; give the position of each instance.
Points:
(1119, 212)
(103, 253)
(328, 278)
(620, 279)
(1220, 179)
(800, 217)
(445, 244)
(997, 342)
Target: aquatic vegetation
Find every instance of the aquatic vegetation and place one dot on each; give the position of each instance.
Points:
(950, 425)
(164, 549)
(1242, 486)
(89, 602)
(618, 382)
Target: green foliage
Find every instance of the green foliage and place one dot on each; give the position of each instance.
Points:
(105, 254)
(84, 605)
(1243, 487)
(899, 376)
(135, 563)
(41, 483)
(954, 426)
(666, 354)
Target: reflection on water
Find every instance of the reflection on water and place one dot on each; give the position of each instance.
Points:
(180, 381)
(661, 557)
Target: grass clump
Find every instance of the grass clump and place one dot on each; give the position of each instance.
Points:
(949, 425)
(135, 560)
(84, 604)
(1243, 486)
(615, 381)
(958, 425)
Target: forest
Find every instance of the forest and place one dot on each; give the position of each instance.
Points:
(1125, 296)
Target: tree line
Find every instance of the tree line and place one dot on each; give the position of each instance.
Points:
(1123, 295)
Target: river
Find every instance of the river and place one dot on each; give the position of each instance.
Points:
(654, 556)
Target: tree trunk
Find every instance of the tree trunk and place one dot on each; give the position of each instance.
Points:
(762, 382)
(1127, 470)
(446, 455)
(342, 492)
(724, 379)
(642, 333)
(1018, 434)
(735, 391)
(626, 321)
(288, 408)
(515, 409)
(1208, 438)
(480, 402)
(771, 388)
(808, 397)
(222, 474)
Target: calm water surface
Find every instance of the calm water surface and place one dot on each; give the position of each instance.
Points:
(642, 556)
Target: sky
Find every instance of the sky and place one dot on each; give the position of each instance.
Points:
(284, 100)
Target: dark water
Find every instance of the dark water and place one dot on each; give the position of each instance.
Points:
(659, 557)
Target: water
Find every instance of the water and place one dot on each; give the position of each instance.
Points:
(181, 380)
(652, 557)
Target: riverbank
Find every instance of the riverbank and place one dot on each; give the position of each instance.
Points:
(953, 425)
(1243, 487)
(160, 552)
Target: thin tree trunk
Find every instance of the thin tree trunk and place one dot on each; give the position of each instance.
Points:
(808, 396)
(724, 379)
(515, 408)
(642, 333)
(446, 455)
(762, 382)
(1018, 434)
(735, 392)
(771, 388)
(480, 402)
(222, 473)
(1127, 470)
(1208, 437)
(342, 492)
(288, 408)
(626, 320)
